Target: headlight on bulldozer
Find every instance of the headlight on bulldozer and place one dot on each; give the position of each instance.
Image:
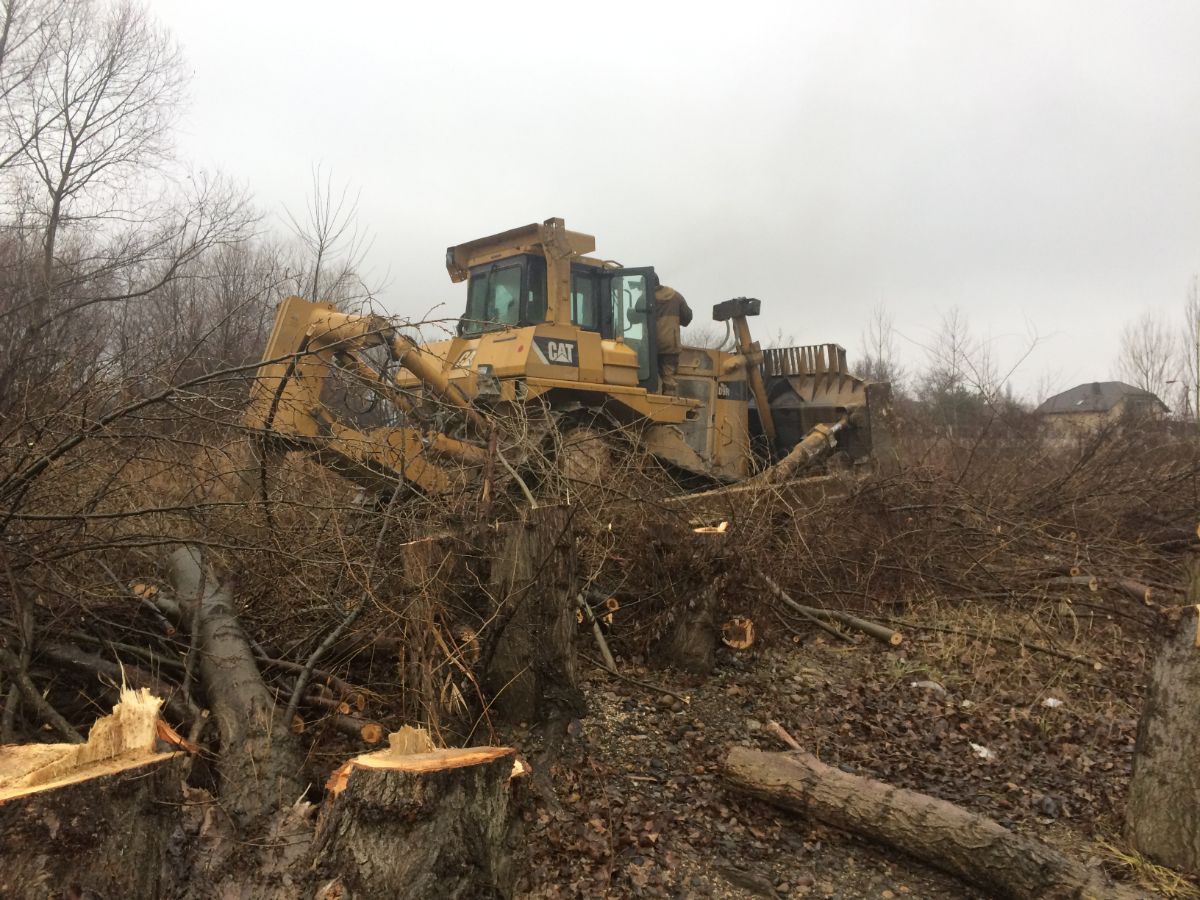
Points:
(486, 384)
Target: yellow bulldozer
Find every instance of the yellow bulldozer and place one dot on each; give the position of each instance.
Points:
(553, 339)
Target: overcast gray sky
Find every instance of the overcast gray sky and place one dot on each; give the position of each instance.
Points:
(1035, 163)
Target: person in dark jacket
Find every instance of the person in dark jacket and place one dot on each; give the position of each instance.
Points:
(671, 313)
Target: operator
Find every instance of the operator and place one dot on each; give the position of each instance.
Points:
(671, 312)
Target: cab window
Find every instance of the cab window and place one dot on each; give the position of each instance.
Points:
(493, 299)
(535, 292)
(505, 293)
(584, 309)
(630, 297)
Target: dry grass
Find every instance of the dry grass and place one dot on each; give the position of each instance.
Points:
(1161, 880)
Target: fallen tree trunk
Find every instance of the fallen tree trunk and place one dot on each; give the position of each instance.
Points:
(366, 731)
(432, 824)
(1143, 593)
(92, 819)
(258, 763)
(972, 847)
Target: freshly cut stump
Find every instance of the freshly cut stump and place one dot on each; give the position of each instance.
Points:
(434, 824)
(90, 819)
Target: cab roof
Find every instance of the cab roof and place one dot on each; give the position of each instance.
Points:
(532, 238)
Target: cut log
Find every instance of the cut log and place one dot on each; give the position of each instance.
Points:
(369, 732)
(343, 689)
(532, 670)
(434, 824)
(328, 704)
(1091, 582)
(1163, 820)
(1141, 592)
(969, 846)
(92, 819)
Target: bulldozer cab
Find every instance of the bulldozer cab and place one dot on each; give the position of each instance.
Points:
(513, 288)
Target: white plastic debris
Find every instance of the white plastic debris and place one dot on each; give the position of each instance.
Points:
(931, 686)
(1052, 703)
(981, 751)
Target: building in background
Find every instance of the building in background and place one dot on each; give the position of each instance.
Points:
(1097, 403)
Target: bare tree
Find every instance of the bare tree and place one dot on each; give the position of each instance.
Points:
(962, 379)
(104, 110)
(708, 334)
(101, 218)
(27, 30)
(1149, 355)
(880, 361)
(948, 355)
(1190, 352)
(332, 244)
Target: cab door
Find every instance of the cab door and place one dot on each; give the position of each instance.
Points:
(629, 314)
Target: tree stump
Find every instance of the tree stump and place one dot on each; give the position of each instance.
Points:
(94, 819)
(692, 643)
(532, 670)
(1163, 819)
(434, 824)
(706, 558)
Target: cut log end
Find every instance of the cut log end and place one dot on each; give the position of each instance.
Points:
(353, 726)
(738, 633)
(371, 732)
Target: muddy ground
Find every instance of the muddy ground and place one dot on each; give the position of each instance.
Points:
(635, 805)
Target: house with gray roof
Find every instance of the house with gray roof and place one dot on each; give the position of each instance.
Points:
(1099, 402)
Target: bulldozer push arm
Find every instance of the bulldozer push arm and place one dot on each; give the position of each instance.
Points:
(287, 411)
